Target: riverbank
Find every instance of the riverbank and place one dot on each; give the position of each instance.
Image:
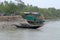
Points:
(6, 22)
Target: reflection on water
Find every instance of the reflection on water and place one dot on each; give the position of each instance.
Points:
(50, 31)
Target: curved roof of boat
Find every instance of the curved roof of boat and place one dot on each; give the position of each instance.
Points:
(31, 12)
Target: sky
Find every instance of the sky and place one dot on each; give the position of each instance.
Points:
(41, 3)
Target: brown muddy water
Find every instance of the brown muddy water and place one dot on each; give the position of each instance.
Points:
(50, 31)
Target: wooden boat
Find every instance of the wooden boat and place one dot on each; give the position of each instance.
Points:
(28, 26)
(32, 18)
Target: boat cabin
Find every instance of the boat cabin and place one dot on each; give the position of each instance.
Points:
(33, 17)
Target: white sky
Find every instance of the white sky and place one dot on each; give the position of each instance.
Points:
(42, 3)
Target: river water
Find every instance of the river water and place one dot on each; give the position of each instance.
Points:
(50, 31)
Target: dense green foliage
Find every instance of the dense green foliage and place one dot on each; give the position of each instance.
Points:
(19, 8)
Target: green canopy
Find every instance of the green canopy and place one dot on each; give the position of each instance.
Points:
(30, 17)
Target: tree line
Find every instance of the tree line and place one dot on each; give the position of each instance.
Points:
(10, 7)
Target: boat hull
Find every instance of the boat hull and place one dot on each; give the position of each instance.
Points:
(30, 26)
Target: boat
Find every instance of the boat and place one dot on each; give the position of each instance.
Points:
(34, 20)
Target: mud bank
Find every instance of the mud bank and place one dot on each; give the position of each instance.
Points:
(6, 22)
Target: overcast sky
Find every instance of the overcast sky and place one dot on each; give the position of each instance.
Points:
(42, 3)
